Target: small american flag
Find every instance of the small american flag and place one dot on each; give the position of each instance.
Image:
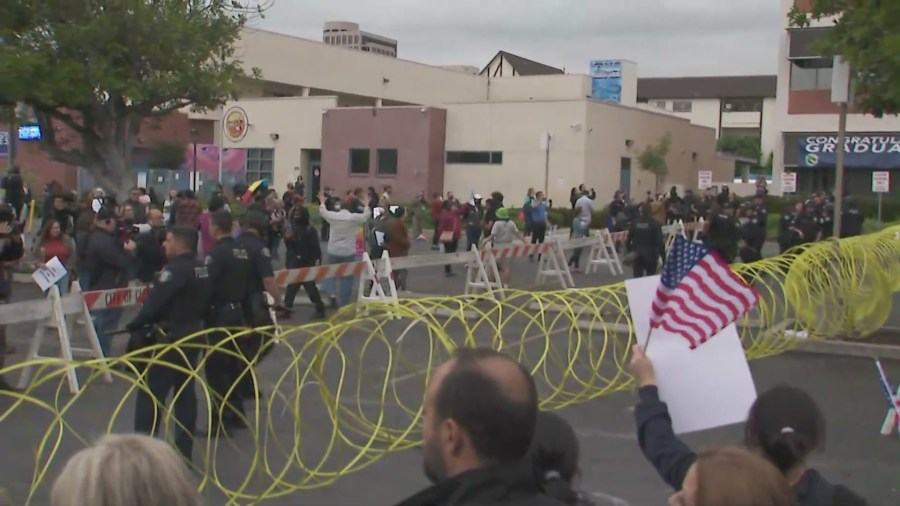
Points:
(699, 294)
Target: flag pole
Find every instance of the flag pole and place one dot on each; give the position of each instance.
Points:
(647, 341)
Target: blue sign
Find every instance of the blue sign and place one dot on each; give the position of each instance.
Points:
(29, 133)
(606, 80)
(4, 144)
(872, 152)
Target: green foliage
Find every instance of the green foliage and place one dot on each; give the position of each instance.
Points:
(747, 147)
(95, 70)
(167, 155)
(867, 34)
(653, 158)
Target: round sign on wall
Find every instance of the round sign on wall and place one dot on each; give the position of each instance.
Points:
(236, 124)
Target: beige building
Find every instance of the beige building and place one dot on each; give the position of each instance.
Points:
(346, 34)
(343, 118)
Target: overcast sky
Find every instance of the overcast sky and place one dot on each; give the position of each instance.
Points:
(665, 37)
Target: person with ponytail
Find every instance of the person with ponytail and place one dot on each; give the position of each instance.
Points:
(554, 457)
(784, 426)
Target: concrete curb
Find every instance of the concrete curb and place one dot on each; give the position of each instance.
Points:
(850, 349)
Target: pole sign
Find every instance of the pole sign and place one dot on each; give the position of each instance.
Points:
(789, 182)
(861, 152)
(881, 182)
(704, 179)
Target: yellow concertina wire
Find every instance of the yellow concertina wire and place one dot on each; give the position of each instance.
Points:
(359, 378)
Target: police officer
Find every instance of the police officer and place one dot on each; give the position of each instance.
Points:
(804, 228)
(785, 235)
(230, 273)
(723, 233)
(851, 219)
(11, 250)
(753, 236)
(255, 307)
(175, 306)
(826, 221)
(645, 239)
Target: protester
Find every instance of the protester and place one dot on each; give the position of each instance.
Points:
(554, 456)
(124, 470)
(480, 412)
(398, 243)
(341, 245)
(449, 231)
(503, 233)
(53, 243)
(785, 426)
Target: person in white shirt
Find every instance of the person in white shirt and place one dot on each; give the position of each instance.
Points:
(581, 223)
(341, 246)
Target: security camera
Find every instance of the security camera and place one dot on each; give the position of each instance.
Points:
(274, 136)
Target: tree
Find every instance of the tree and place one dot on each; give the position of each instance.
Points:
(91, 72)
(653, 159)
(167, 155)
(747, 147)
(865, 34)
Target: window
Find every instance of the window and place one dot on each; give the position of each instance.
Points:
(742, 105)
(682, 106)
(260, 164)
(660, 104)
(359, 161)
(803, 78)
(475, 157)
(387, 162)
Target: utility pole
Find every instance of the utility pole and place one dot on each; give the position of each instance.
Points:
(840, 94)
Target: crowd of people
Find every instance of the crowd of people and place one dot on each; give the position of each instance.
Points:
(485, 442)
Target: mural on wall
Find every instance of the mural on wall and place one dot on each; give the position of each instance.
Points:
(234, 164)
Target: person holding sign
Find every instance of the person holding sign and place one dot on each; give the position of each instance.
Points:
(53, 243)
(785, 426)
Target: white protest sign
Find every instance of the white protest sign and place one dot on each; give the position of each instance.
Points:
(881, 182)
(704, 388)
(789, 182)
(50, 274)
(704, 179)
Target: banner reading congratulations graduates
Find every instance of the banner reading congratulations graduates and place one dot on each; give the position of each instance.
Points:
(862, 152)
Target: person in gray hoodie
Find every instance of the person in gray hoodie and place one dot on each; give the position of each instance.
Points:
(341, 246)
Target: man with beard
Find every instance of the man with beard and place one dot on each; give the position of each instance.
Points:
(480, 414)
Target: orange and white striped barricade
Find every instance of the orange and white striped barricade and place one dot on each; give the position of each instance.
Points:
(891, 418)
(698, 227)
(553, 264)
(286, 277)
(604, 253)
(672, 231)
(376, 273)
(482, 274)
(51, 314)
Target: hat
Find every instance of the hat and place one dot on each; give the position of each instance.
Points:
(503, 213)
(477, 196)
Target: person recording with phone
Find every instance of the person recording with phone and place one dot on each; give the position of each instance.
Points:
(107, 261)
(11, 250)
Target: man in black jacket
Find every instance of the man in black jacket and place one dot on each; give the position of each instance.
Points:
(303, 250)
(646, 240)
(149, 254)
(11, 250)
(480, 416)
(107, 261)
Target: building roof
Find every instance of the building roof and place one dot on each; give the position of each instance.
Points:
(706, 87)
(524, 66)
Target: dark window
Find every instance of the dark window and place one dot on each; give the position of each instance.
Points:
(260, 164)
(682, 106)
(475, 157)
(387, 162)
(359, 161)
(805, 78)
(742, 105)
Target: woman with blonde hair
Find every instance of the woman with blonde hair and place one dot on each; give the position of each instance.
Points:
(125, 470)
(732, 476)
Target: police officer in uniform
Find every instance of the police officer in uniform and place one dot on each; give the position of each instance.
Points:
(851, 219)
(785, 235)
(753, 236)
(255, 307)
(723, 232)
(230, 273)
(175, 307)
(645, 239)
(804, 228)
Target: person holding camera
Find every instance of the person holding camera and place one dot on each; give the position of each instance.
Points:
(175, 308)
(149, 253)
(107, 262)
(11, 250)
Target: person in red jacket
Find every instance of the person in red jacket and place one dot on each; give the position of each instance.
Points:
(437, 207)
(449, 231)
